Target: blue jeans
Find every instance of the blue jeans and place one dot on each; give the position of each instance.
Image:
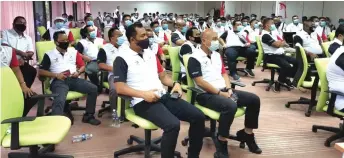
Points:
(232, 53)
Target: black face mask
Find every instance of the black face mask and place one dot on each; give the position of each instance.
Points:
(198, 40)
(20, 27)
(201, 22)
(63, 45)
(278, 24)
(143, 43)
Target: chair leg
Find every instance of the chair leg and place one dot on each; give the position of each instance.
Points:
(156, 140)
(103, 110)
(333, 138)
(137, 139)
(131, 149)
(147, 143)
(325, 128)
(35, 153)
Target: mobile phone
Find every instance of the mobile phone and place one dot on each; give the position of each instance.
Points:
(175, 95)
(66, 73)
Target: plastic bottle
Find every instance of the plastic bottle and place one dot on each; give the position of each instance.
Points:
(81, 138)
(115, 119)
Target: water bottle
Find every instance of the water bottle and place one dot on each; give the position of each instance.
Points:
(115, 119)
(82, 137)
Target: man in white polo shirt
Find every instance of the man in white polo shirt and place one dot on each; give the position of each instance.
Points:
(323, 31)
(338, 40)
(22, 44)
(59, 22)
(139, 74)
(295, 26)
(178, 36)
(64, 65)
(309, 40)
(206, 68)
(106, 57)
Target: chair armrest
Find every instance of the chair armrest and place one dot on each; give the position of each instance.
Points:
(42, 96)
(196, 90)
(336, 92)
(235, 83)
(18, 119)
(127, 98)
(41, 102)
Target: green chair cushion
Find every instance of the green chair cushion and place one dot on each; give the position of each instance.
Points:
(240, 58)
(272, 66)
(143, 123)
(335, 111)
(71, 94)
(216, 115)
(309, 84)
(43, 130)
(106, 85)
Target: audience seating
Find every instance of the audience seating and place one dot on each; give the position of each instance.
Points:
(299, 80)
(272, 67)
(76, 34)
(175, 63)
(331, 35)
(213, 115)
(321, 65)
(41, 30)
(104, 84)
(147, 145)
(18, 131)
(325, 46)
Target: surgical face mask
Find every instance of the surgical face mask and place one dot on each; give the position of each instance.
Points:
(93, 34)
(322, 23)
(256, 26)
(214, 45)
(184, 29)
(120, 40)
(157, 29)
(244, 24)
(90, 23)
(272, 27)
(223, 24)
(20, 27)
(239, 28)
(128, 23)
(164, 26)
(296, 21)
(218, 24)
(151, 40)
(59, 25)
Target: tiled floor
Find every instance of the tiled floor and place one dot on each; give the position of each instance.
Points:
(282, 133)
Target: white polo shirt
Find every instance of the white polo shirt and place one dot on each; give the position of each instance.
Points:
(13, 39)
(252, 34)
(91, 48)
(233, 39)
(267, 39)
(139, 71)
(310, 42)
(219, 30)
(5, 55)
(59, 62)
(319, 31)
(294, 28)
(110, 53)
(335, 77)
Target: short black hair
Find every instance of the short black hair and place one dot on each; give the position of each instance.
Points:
(153, 23)
(131, 30)
(189, 32)
(223, 19)
(252, 20)
(56, 35)
(125, 15)
(294, 16)
(235, 21)
(111, 31)
(340, 30)
(266, 20)
(70, 17)
(17, 18)
(84, 31)
(87, 16)
(313, 17)
(262, 18)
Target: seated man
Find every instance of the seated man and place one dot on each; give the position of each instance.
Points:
(219, 28)
(193, 39)
(309, 40)
(252, 32)
(9, 59)
(158, 33)
(126, 22)
(338, 40)
(138, 74)
(59, 23)
(106, 57)
(207, 70)
(64, 76)
(89, 21)
(155, 47)
(274, 54)
(89, 48)
(295, 26)
(178, 36)
(237, 45)
(322, 31)
(335, 75)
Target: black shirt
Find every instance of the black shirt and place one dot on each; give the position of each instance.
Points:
(185, 49)
(45, 64)
(80, 48)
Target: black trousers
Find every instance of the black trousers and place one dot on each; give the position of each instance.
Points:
(283, 61)
(232, 53)
(166, 114)
(227, 107)
(29, 74)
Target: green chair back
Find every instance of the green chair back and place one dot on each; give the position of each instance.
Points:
(190, 82)
(41, 30)
(331, 36)
(42, 47)
(321, 65)
(12, 100)
(260, 51)
(324, 47)
(175, 62)
(302, 65)
(76, 33)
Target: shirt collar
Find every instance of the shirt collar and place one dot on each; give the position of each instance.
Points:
(203, 54)
(338, 41)
(15, 33)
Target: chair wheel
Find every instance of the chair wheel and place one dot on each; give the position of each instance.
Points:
(327, 143)
(315, 130)
(253, 84)
(242, 145)
(185, 142)
(307, 114)
(287, 105)
(130, 141)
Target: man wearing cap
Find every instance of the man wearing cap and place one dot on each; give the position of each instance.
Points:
(59, 26)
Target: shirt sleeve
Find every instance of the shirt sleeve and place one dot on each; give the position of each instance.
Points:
(120, 70)
(45, 64)
(14, 60)
(174, 38)
(30, 44)
(158, 64)
(70, 36)
(79, 62)
(80, 48)
(224, 36)
(101, 56)
(340, 61)
(267, 39)
(4, 37)
(333, 47)
(46, 35)
(194, 68)
(185, 49)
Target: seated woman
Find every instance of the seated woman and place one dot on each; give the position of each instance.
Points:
(335, 75)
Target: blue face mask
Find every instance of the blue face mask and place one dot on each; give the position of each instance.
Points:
(157, 30)
(215, 45)
(184, 29)
(59, 25)
(223, 24)
(239, 28)
(120, 40)
(90, 23)
(151, 41)
(244, 24)
(256, 26)
(128, 23)
(272, 28)
(322, 23)
(165, 26)
(93, 34)
(296, 21)
(341, 23)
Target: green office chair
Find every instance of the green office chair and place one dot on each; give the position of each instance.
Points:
(18, 131)
(76, 33)
(175, 62)
(299, 80)
(260, 56)
(41, 48)
(325, 46)
(331, 35)
(104, 84)
(273, 67)
(147, 145)
(41, 30)
(213, 115)
(321, 65)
